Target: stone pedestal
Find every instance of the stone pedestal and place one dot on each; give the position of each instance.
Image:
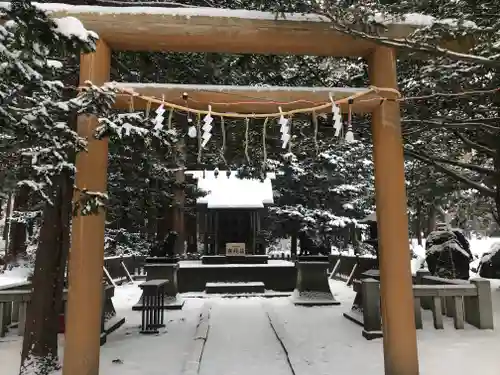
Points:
(312, 285)
(161, 260)
(243, 259)
(164, 271)
(313, 258)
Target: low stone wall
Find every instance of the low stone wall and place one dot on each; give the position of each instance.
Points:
(279, 278)
(223, 259)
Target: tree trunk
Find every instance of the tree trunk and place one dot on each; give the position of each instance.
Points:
(418, 224)
(431, 220)
(152, 212)
(39, 354)
(180, 198)
(6, 228)
(164, 222)
(191, 233)
(496, 161)
(17, 236)
(293, 245)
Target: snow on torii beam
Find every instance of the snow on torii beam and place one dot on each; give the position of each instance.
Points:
(250, 99)
(223, 30)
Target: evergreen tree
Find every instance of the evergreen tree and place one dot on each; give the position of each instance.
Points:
(40, 138)
(325, 192)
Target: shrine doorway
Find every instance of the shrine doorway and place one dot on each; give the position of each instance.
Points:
(235, 226)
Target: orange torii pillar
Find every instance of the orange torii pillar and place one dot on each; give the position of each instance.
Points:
(86, 258)
(398, 319)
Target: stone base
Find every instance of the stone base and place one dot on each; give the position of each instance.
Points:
(213, 259)
(312, 285)
(314, 299)
(370, 335)
(161, 260)
(313, 258)
(355, 317)
(266, 294)
(244, 259)
(154, 331)
(235, 288)
(171, 303)
(110, 326)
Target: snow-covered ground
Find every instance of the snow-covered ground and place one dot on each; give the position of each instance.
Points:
(14, 276)
(242, 341)
(242, 338)
(127, 352)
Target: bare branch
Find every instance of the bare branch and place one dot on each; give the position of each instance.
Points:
(476, 146)
(451, 173)
(452, 124)
(472, 167)
(406, 44)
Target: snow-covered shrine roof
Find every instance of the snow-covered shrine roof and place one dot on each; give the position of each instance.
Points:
(233, 192)
(250, 99)
(224, 30)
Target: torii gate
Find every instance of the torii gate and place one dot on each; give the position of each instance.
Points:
(234, 31)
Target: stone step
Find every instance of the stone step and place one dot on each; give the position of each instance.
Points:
(234, 288)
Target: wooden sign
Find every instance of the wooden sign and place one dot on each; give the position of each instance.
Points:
(235, 249)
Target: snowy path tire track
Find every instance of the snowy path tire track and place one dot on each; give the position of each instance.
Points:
(242, 341)
(193, 361)
(296, 354)
(279, 333)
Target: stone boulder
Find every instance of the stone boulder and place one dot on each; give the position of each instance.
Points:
(489, 265)
(448, 254)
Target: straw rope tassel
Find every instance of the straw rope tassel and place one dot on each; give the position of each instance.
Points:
(223, 148)
(131, 104)
(290, 128)
(315, 124)
(247, 125)
(264, 134)
(170, 116)
(349, 136)
(148, 108)
(198, 132)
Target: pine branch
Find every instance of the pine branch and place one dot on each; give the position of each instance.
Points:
(449, 172)
(476, 146)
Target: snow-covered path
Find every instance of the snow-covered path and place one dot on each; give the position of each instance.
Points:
(241, 341)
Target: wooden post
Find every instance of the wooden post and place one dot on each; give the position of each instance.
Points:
(398, 317)
(86, 259)
(178, 222)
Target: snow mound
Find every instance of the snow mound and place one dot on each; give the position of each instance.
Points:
(72, 27)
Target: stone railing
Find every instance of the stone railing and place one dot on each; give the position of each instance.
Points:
(464, 301)
(14, 300)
